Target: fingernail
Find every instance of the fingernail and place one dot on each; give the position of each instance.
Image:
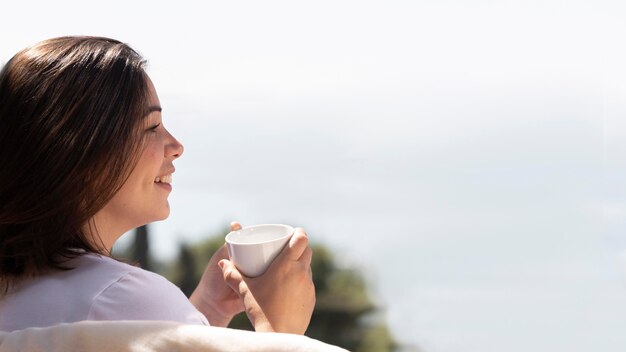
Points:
(221, 264)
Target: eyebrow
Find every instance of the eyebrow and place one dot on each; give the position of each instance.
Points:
(151, 109)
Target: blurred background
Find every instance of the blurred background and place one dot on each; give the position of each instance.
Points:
(459, 165)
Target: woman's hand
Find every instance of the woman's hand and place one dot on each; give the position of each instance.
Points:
(283, 298)
(213, 297)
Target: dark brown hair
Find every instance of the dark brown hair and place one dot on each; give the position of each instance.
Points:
(71, 116)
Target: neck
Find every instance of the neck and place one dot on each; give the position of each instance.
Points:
(102, 232)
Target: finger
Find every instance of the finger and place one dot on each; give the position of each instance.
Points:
(235, 226)
(298, 243)
(307, 256)
(232, 276)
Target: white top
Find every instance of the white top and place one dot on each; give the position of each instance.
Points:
(99, 288)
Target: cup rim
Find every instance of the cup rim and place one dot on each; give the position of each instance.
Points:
(228, 240)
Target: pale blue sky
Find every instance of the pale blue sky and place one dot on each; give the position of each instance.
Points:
(467, 155)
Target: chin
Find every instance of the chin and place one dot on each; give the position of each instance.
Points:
(163, 214)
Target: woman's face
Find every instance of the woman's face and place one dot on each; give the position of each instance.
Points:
(143, 197)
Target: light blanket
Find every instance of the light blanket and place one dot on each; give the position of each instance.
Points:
(153, 336)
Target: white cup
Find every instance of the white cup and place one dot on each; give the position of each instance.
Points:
(253, 248)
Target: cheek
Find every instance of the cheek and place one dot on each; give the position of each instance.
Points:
(156, 158)
(151, 158)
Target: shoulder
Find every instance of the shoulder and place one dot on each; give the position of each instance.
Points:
(114, 275)
(137, 294)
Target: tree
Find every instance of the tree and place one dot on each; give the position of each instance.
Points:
(141, 246)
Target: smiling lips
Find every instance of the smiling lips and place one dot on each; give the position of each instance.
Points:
(163, 179)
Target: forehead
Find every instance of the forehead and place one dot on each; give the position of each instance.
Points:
(154, 105)
(153, 97)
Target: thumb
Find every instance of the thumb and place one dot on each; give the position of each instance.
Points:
(232, 276)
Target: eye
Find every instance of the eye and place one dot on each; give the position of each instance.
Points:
(153, 128)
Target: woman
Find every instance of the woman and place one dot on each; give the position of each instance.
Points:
(85, 158)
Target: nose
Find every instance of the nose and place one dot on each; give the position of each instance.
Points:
(174, 148)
